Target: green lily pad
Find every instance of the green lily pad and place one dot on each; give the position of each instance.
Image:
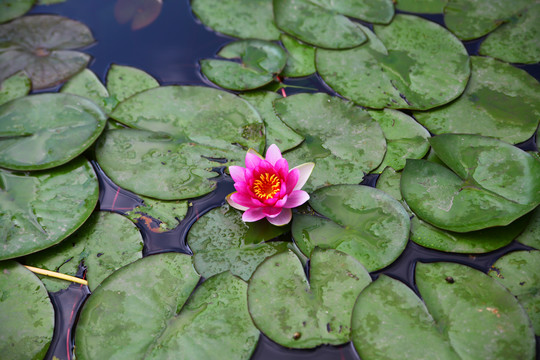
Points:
(316, 25)
(47, 130)
(518, 272)
(390, 181)
(422, 6)
(531, 235)
(301, 60)
(244, 19)
(479, 316)
(40, 45)
(500, 101)
(158, 215)
(361, 221)
(124, 319)
(30, 220)
(276, 131)
(11, 9)
(87, 84)
(104, 243)
(405, 66)
(342, 154)
(26, 314)
(126, 81)
(516, 41)
(183, 130)
(491, 183)
(221, 241)
(379, 12)
(405, 138)
(261, 60)
(471, 19)
(302, 313)
(390, 322)
(14, 87)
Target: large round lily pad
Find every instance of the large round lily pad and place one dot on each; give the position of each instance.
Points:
(500, 101)
(40, 45)
(404, 66)
(422, 6)
(300, 313)
(491, 183)
(127, 319)
(105, 243)
(342, 154)
(361, 221)
(379, 12)
(221, 241)
(26, 314)
(43, 131)
(41, 209)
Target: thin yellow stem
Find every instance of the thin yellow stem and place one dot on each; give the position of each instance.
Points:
(56, 275)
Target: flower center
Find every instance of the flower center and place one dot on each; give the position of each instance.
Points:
(266, 186)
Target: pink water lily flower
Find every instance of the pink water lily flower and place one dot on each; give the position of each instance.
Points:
(266, 187)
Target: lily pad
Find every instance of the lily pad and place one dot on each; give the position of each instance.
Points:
(405, 138)
(404, 66)
(40, 45)
(301, 60)
(379, 12)
(47, 130)
(124, 319)
(140, 13)
(11, 9)
(244, 19)
(126, 81)
(361, 221)
(276, 131)
(185, 131)
(14, 87)
(159, 215)
(221, 241)
(312, 23)
(422, 6)
(518, 272)
(479, 316)
(104, 243)
(471, 19)
(531, 235)
(302, 313)
(87, 84)
(516, 41)
(30, 220)
(342, 154)
(26, 314)
(260, 61)
(500, 101)
(491, 183)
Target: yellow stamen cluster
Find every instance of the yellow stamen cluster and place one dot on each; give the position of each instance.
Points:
(266, 186)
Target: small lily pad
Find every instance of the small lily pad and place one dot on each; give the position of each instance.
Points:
(47, 130)
(246, 19)
(159, 215)
(41, 46)
(314, 24)
(500, 101)
(221, 241)
(302, 313)
(14, 87)
(87, 84)
(104, 243)
(361, 221)
(531, 235)
(260, 61)
(301, 60)
(342, 154)
(11, 9)
(26, 314)
(404, 66)
(518, 272)
(30, 220)
(422, 6)
(126, 81)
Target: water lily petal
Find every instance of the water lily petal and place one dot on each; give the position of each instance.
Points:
(242, 187)
(253, 215)
(282, 167)
(304, 173)
(273, 154)
(296, 198)
(234, 204)
(237, 173)
(281, 202)
(271, 212)
(282, 219)
(292, 180)
(242, 199)
(271, 201)
(253, 161)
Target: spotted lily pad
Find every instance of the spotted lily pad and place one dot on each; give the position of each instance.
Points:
(342, 154)
(518, 272)
(30, 220)
(302, 313)
(105, 243)
(261, 60)
(404, 66)
(221, 241)
(361, 221)
(159, 215)
(11, 9)
(14, 87)
(531, 235)
(246, 19)
(26, 314)
(126, 81)
(379, 12)
(124, 319)
(41, 46)
(500, 101)
(422, 6)
(47, 130)
(301, 60)
(491, 183)
(314, 24)
(87, 84)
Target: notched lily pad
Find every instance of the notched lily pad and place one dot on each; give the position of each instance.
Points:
(14, 87)
(87, 84)
(126, 81)
(301, 60)
(302, 313)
